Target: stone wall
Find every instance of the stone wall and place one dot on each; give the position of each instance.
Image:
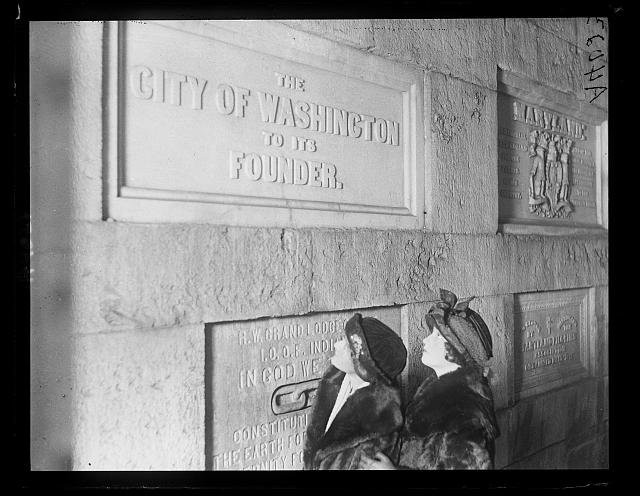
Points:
(119, 309)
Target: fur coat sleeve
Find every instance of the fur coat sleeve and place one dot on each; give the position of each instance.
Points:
(450, 424)
(368, 422)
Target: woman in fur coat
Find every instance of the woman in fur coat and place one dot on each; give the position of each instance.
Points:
(450, 423)
(357, 407)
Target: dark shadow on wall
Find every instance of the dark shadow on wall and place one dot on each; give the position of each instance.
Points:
(51, 138)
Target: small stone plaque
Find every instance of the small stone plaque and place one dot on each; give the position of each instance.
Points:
(550, 157)
(254, 123)
(551, 339)
(261, 378)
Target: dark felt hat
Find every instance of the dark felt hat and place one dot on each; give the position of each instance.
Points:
(463, 328)
(378, 353)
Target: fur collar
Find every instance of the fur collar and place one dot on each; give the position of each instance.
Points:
(458, 401)
(370, 412)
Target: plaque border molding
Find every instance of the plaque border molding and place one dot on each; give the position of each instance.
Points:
(525, 302)
(124, 203)
(213, 327)
(535, 93)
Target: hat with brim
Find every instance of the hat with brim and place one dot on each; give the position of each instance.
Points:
(462, 327)
(378, 353)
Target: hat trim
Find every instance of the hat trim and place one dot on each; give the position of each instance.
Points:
(362, 356)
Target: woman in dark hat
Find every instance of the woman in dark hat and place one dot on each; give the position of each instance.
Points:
(357, 407)
(450, 423)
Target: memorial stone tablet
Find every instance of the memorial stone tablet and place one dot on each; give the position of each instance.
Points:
(261, 378)
(551, 339)
(247, 123)
(549, 158)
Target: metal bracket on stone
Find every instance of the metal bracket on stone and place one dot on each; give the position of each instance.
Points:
(294, 397)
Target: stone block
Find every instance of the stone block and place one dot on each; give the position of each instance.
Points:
(461, 48)
(354, 32)
(517, 47)
(552, 457)
(139, 400)
(462, 190)
(66, 119)
(560, 65)
(497, 312)
(590, 454)
(586, 27)
(550, 418)
(51, 356)
(503, 452)
(156, 276)
(562, 27)
(603, 400)
(138, 275)
(601, 340)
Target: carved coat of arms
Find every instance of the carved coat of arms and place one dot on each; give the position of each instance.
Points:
(549, 175)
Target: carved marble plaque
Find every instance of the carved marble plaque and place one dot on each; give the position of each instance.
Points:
(261, 378)
(550, 157)
(551, 339)
(253, 123)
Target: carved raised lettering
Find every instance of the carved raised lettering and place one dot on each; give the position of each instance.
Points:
(550, 185)
(552, 339)
(263, 376)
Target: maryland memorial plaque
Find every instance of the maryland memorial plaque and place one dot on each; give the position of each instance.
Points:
(549, 157)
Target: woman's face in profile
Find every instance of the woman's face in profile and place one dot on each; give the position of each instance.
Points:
(341, 358)
(433, 349)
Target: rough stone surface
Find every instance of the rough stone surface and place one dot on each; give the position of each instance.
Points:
(497, 312)
(52, 353)
(553, 456)
(560, 65)
(586, 29)
(140, 400)
(121, 307)
(590, 454)
(138, 276)
(156, 276)
(517, 47)
(463, 48)
(354, 32)
(502, 443)
(549, 418)
(562, 27)
(602, 326)
(463, 188)
(66, 117)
